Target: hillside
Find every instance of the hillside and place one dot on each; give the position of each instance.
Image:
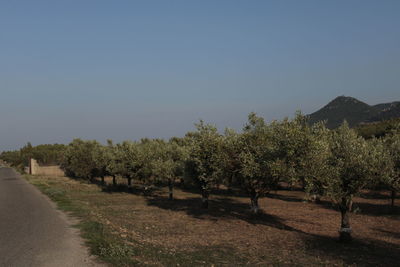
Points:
(377, 129)
(387, 111)
(354, 112)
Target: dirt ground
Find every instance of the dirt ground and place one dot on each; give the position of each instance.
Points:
(289, 232)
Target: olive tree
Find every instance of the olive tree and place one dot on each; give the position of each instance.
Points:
(102, 157)
(129, 163)
(168, 164)
(290, 140)
(202, 165)
(392, 144)
(315, 161)
(258, 162)
(79, 159)
(114, 162)
(354, 164)
(228, 158)
(115, 165)
(151, 155)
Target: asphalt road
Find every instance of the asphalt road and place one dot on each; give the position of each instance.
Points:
(32, 231)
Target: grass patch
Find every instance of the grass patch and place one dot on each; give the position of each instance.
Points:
(98, 238)
(105, 245)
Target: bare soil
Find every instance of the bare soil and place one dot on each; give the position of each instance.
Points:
(290, 231)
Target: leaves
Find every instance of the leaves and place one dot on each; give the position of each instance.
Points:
(336, 163)
(204, 147)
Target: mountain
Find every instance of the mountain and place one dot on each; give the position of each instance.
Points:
(354, 111)
(387, 111)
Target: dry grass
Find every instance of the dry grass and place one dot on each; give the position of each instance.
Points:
(290, 231)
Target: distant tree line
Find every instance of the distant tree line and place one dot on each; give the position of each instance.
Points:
(377, 129)
(337, 164)
(45, 154)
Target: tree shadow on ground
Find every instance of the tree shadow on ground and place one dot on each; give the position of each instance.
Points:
(285, 198)
(388, 233)
(359, 252)
(139, 190)
(219, 208)
(232, 192)
(377, 209)
(372, 209)
(373, 194)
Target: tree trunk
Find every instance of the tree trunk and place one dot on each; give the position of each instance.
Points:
(316, 198)
(129, 182)
(171, 188)
(254, 202)
(345, 229)
(102, 180)
(204, 199)
(230, 182)
(351, 205)
(303, 184)
(114, 181)
(393, 197)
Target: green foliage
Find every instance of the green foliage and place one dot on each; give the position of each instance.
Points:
(168, 161)
(150, 151)
(114, 164)
(392, 146)
(315, 162)
(294, 144)
(259, 164)
(130, 162)
(102, 157)
(377, 129)
(335, 163)
(228, 158)
(79, 159)
(353, 164)
(203, 149)
(201, 165)
(44, 154)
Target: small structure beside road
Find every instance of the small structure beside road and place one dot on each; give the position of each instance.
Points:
(36, 169)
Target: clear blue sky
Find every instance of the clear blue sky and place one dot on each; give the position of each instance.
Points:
(131, 69)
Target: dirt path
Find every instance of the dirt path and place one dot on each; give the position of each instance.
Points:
(32, 231)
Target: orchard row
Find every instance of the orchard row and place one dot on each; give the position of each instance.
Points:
(333, 163)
